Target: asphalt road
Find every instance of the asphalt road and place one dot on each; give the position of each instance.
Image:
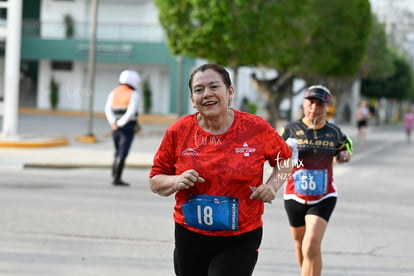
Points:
(73, 222)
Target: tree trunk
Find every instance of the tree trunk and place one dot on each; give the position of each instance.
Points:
(274, 92)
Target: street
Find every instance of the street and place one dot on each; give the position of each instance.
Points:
(73, 222)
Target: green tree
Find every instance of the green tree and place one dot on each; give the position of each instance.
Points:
(69, 25)
(397, 86)
(334, 41)
(337, 45)
(231, 33)
(54, 93)
(298, 38)
(378, 60)
(147, 96)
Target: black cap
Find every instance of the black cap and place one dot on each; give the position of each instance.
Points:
(319, 92)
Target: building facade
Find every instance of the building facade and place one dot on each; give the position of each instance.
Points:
(55, 48)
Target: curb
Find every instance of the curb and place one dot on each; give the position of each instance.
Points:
(79, 166)
(39, 142)
(150, 119)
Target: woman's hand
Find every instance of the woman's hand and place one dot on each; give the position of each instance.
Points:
(187, 179)
(343, 157)
(264, 192)
(166, 185)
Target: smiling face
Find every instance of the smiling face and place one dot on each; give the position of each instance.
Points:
(209, 94)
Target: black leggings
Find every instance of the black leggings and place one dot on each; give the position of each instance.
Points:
(201, 255)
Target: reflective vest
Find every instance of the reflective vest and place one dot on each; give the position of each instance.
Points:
(122, 95)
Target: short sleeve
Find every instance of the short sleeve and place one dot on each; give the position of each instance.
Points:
(341, 141)
(285, 132)
(164, 159)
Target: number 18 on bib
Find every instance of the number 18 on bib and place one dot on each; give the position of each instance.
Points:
(212, 213)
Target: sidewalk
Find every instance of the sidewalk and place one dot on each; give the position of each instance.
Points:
(52, 140)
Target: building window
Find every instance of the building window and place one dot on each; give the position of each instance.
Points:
(62, 65)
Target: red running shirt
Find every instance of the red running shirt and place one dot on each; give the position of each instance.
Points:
(230, 163)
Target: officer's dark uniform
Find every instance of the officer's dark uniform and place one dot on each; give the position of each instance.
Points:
(121, 111)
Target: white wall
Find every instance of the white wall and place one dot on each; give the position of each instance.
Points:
(52, 14)
(2, 77)
(117, 20)
(43, 85)
(74, 88)
(107, 78)
(72, 91)
(159, 81)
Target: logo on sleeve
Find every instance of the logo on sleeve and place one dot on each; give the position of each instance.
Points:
(299, 132)
(245, 150)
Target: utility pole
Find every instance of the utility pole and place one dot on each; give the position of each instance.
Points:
(12, 66)
(180, 86)
(91, 66)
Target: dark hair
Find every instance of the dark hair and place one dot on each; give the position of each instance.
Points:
(218, 68)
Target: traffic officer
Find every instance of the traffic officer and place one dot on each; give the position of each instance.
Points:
(121, 112)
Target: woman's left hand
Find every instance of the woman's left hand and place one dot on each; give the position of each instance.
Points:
(343, 157)
(264, 192)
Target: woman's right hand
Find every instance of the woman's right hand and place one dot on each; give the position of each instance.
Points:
(187, 179)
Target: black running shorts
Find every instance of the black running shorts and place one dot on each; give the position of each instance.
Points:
(297, 211)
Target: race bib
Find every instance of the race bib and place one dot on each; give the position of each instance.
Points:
(311, 182)
(212, 213)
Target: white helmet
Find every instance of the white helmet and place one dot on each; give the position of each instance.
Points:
(130, 77)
